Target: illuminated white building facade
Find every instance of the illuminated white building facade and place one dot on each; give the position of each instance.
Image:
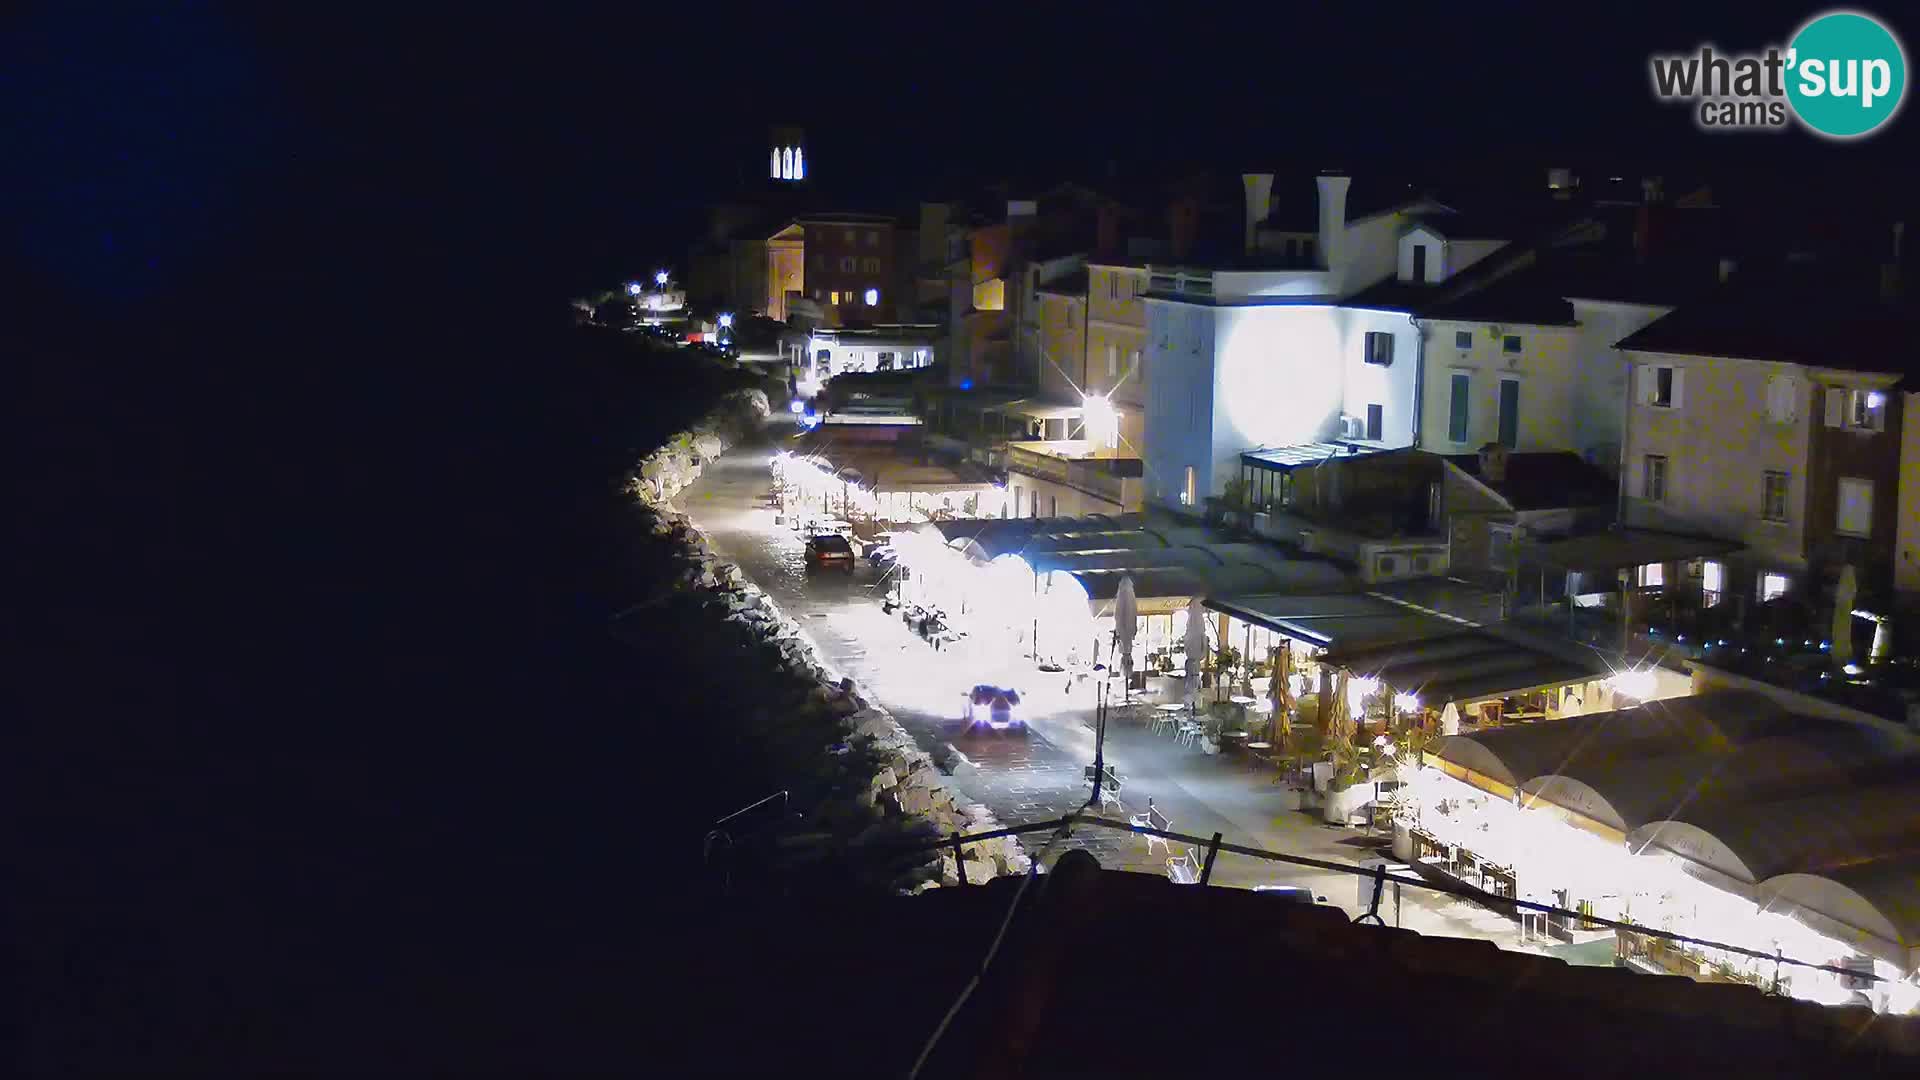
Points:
(1266, 355)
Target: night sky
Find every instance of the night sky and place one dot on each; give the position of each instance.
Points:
(311, 698)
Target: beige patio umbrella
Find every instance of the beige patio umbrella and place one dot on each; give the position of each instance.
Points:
(1281, 691)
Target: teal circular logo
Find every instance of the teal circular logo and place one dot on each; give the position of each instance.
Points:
(1847, 74)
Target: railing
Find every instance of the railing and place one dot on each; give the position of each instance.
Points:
(1100, 477)
(1214, 845)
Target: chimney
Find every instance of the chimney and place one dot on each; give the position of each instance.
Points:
(1493, 464)
(1727, 267)
(1333, 218)
(1259, 200)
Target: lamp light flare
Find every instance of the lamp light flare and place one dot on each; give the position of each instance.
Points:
(1638, 684)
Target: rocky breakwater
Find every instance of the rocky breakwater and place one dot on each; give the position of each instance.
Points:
(858, 779)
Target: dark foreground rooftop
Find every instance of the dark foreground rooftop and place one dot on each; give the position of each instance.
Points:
(1105, 973)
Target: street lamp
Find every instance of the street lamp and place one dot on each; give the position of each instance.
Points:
(726, 320)
(633, 288)
(660, 279)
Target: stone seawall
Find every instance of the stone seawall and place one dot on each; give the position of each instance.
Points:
(906, 783)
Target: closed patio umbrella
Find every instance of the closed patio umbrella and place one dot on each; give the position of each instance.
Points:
(1126, 613)
(1196, 647)
(1844, 593)
(1281, 691)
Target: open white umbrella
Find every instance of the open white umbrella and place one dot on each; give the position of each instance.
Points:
(1196, 647)
(1126, 613)
(1450, 719)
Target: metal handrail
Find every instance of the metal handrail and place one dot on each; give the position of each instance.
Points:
(1379, 875)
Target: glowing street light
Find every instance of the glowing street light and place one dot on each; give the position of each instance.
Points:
(660, 279)
(726, 320)
(633, 288)
(1102, 420)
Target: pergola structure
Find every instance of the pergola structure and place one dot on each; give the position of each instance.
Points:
(1778, 813)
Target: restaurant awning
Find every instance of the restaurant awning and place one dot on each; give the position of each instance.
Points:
(1330, 619)
(1620, 549)
(1462, 666)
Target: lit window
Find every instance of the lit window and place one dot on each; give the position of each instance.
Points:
(1713, 581)
(873, 297)
(834, 296)
(1772, 586)
(799, 164)
(1113, 361)
(1187, 496)
(1652, 576)
(1773, 496)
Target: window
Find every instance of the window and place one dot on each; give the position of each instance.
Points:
(1853, 508)
(1113, 286)
(1463, 339)
(1659, 387)
(1376, 422)
(1133, 362)
(1510, 343)
(1462, 385)
(1772, 586)
(1713, 581)
(1651, 576)
(1653, 478)
(1509, 413)
(1379, 348)
(1783, 398)
(834, 296)
(870, 265)
(847, 263)
(1856, 410)
(1053, 506)
(873, 238)
(849, 237)
(1113, 361)
(1773, 496)
(1419, 262)
(1187, 495)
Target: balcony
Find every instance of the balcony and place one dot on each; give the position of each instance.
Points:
(1077, 464)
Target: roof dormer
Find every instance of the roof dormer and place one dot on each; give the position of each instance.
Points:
(1422, 258)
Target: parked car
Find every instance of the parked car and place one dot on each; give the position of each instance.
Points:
(829, 550)
(995, 707)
